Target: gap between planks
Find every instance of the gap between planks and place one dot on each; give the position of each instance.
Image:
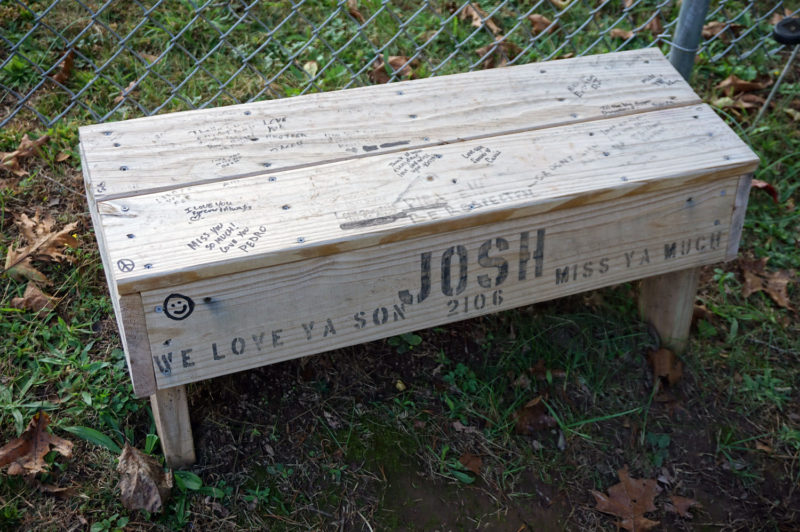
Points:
(391, 151)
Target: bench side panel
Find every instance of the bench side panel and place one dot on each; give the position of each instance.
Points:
(249, 319)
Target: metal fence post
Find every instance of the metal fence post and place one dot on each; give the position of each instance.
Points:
(687, 35)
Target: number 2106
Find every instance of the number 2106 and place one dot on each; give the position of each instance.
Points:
(478, 302)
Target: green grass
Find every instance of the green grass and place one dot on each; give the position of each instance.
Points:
(333, 441)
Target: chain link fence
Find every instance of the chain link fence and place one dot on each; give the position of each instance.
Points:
(95, 61)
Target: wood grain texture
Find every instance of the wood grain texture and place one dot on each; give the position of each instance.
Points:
(128, 312)
(666, 301)
(136, 342)
(737, 218)
(171, 414)
(169, 151)
(262, 316)
(221, 228)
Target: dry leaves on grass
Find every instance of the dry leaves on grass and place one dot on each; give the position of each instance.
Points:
(654, 26)
(472, 462)
(777, 17)
(65, 68)
(25, 455)
(540, 23)
(766, 187)
(143, 485)
(630, 500)
(681, 505)
(500, 53)
(542, 373)
(9, 161)
(44, 243)
(352, 8)
(34, 299)
(478, 17)
(733, 85)
(619, 33)
(125, 92)
(399, 65)
(757, 279)
(533, 418)
(712, 29)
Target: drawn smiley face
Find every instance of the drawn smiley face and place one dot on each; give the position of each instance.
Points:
(178, 307)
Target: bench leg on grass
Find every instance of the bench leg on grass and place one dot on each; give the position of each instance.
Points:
(171, 413)
(667, 302)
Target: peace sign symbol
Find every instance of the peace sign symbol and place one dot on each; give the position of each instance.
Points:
(125, 265)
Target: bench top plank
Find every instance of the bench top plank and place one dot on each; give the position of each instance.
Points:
(173, 150)
(222, 227)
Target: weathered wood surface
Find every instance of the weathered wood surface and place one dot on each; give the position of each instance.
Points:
(666, 301)
(171, 414)
(129, 314)
(136, 341)
(234, 322)
(219, 228)
(169, 151)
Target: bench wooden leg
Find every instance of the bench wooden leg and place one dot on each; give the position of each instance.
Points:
(171, 413)
(667, 301)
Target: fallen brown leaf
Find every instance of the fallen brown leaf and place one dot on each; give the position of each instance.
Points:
(44, 244)
(757, 279)
(533, 418)
(627, 3)
(478, 18)
(630, 500)
(701, 312)
(62, 156)
(144, 485)
(468, 429)
(61, 493)
(733, 85)
(712, 29)
(777, 17)
(399, 65)
(667, 368)
(65, 68)
(125, 92)
(500, 53)
(793, 113)
(540, 23)
(9, 161)
(620, 33)
(150, 58)
(25, 455)
(34, 299)
(352, 8)
(766, 187)
(764, 447)
(654, 26)
(681, 505)
(742, 101)
(472, 462)
(540, 371)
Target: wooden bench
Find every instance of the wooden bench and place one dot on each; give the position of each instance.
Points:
(242, 236)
